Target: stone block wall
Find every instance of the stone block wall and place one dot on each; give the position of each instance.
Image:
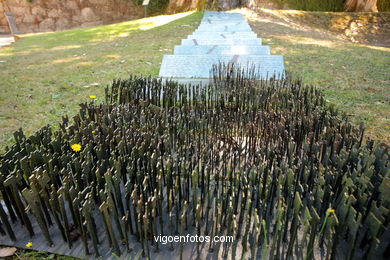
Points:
(54, 15)
(176, 6)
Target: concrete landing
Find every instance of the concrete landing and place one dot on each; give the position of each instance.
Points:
(231, 41)
(222, 49)
(222, 35)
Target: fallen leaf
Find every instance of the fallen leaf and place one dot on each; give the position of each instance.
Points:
(7, 251)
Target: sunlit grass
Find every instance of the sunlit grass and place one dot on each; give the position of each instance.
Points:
(355, 77)
(45, 76)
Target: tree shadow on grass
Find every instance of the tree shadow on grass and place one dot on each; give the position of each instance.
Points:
(47, 75)
(354, 77)
(49, 43)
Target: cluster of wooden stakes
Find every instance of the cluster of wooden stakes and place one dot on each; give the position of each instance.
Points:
(267, 162)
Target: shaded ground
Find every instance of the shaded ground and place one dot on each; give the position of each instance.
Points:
(354, 76)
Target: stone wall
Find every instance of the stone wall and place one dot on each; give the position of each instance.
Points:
(54, 15)
(176, 6)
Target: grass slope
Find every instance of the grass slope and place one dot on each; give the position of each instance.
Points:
(355, 77)
(45, 76)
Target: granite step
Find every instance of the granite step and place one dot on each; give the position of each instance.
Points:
(220, 14)
(221, 41)
(222, 50)
(199, 66)
(212, 19)
(224, 25)
(224, 28)
(220, 38)
(223, 34)
(209, 22)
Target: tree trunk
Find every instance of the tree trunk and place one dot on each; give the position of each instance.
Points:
(176, 6)
(360, 6)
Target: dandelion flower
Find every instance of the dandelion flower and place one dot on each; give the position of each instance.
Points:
(286, 62)
(330, 211)
(76, 147)
(92, 96)
(29, 244)
(93, 131)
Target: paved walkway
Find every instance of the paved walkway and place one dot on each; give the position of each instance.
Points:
(221, 37)
(6, 40)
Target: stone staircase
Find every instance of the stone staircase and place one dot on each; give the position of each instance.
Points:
(220, 38)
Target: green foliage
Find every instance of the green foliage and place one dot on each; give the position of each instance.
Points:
(314, 5)
(383, 5)
(326, 5)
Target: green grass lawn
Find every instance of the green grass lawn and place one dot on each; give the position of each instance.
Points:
(354, 77)
(45, 76)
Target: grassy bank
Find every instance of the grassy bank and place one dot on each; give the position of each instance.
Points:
(354, 76)
(45, 76)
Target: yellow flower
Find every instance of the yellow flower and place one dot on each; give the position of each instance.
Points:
(286, 62)
(29, 244)
(93, 131)
(76, 147)
(330, 211)
(92, 96)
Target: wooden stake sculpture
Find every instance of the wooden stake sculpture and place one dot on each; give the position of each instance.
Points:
(266, 162)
